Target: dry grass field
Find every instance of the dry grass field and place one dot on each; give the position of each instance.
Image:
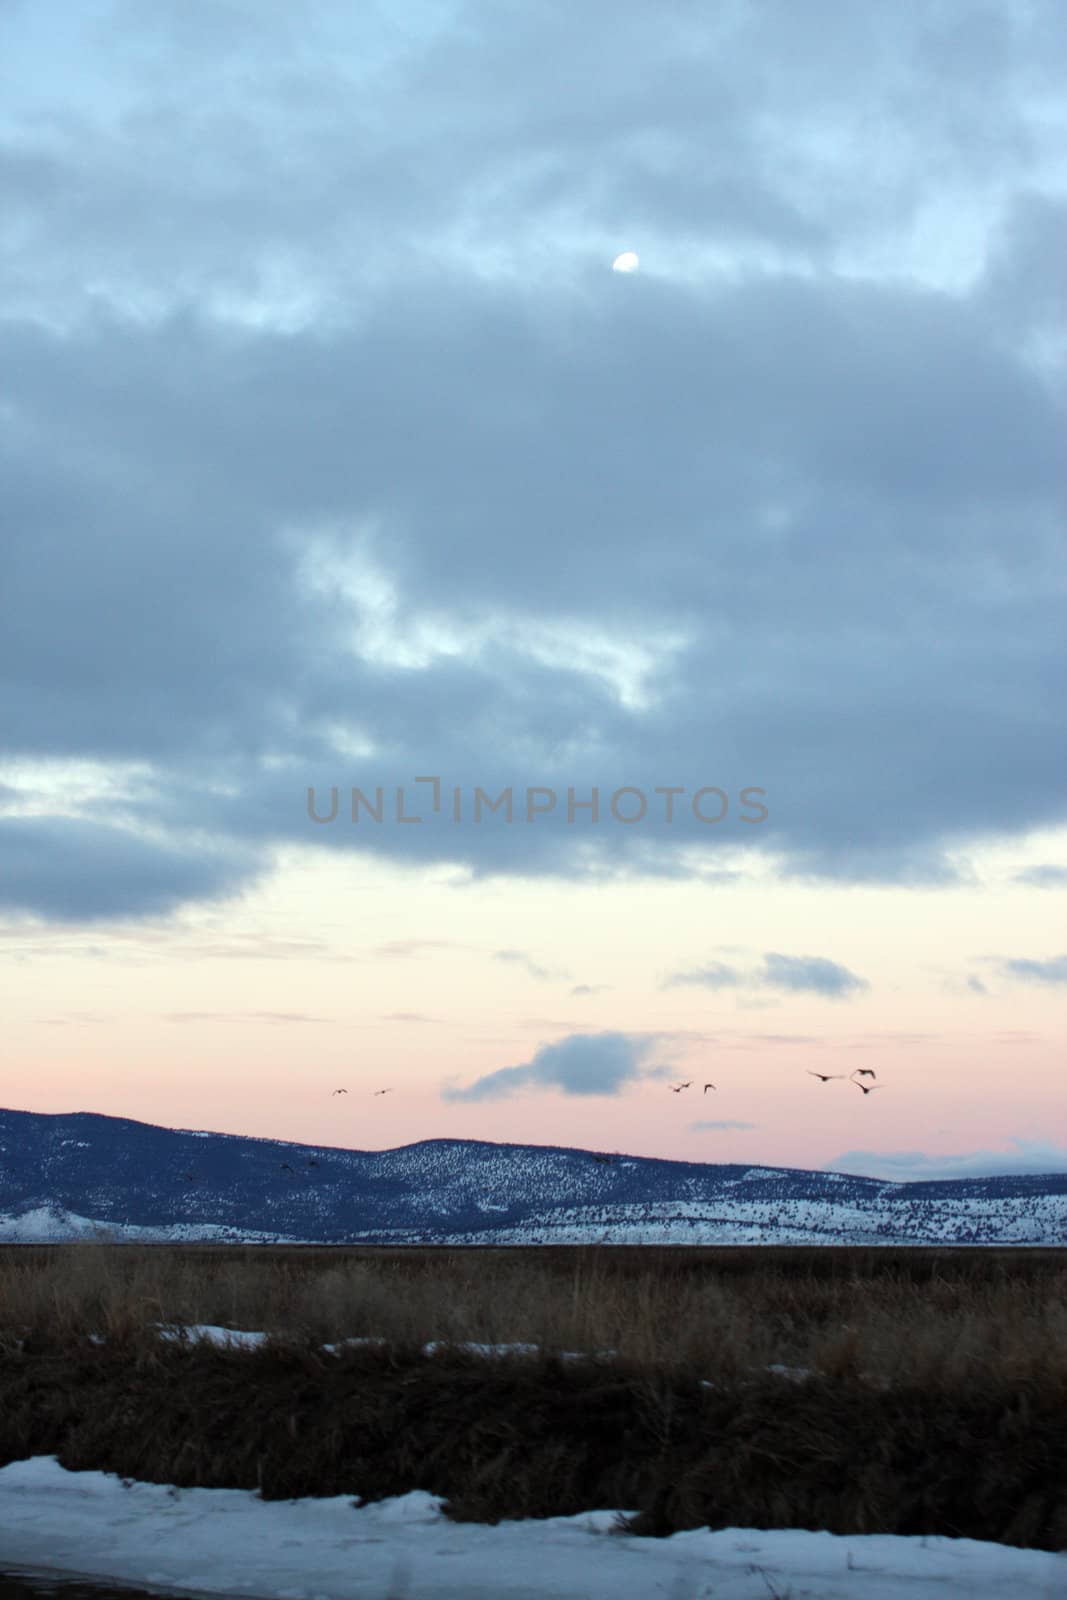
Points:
(898, 1391)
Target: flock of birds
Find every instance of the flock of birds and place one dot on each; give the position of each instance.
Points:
(823, 1077)
(850, 1077)
(675, 1088)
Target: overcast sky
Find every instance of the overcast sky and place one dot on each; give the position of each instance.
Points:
(335, 455)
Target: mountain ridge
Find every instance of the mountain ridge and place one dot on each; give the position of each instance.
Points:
(85, 1174)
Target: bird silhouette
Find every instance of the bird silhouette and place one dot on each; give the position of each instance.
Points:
(286, 1167)
(383, 1091)
(708, 1086)
(825, 1076)
(864, 1072)
(677, 1088)
(868, 1088)
(340, 1091)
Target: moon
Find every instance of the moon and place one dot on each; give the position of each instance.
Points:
(629, 261)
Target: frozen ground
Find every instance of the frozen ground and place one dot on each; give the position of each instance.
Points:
(229, 1542)
(237, 1338)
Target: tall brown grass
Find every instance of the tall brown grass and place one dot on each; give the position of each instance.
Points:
(925, 1391)
(888, 1318)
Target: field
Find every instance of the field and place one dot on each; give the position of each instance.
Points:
(857, 1391)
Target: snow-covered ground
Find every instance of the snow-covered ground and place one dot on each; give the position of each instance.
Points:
(881, 1217)
(229, 1542)
(241, 1339)
(54, 1225)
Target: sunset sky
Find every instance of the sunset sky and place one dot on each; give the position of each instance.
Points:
(334, 455)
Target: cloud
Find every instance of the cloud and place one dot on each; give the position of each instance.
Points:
(715, 976)
(581, 1064)
(813, 974)
(712, 1127)
(522, 959)
(403, 949)
(913, 1166)
(407, 1016)
(242, 1016)
(1046, 876)
(590, 988)
(1053, 971)
(976, 986)
(333, 459)
(71, 869)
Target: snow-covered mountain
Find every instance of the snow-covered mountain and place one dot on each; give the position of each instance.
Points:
(83, 1176)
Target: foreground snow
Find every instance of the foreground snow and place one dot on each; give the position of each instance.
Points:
(229, 1542)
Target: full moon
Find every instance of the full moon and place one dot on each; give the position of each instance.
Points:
(627, 262)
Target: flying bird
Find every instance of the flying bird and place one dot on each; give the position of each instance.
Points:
(864, 1072)
(383, 1091)
(708, 1086)
(825, 1076)
(868, 1088)
(677, 1089)
(340, 1091)
(286, 1167)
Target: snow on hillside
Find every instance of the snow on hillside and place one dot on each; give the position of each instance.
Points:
(54, 1225)
(85, 1176)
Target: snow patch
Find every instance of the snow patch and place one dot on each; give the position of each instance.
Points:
(229, 1542)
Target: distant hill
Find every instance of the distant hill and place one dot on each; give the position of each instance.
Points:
(83, 1175)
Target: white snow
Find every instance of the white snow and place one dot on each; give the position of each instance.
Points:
(879, 1215)
(55, 1225)
(229, 1542)
(212, 1333)
(46, 1225)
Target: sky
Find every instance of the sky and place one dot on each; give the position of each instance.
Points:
(435, 661)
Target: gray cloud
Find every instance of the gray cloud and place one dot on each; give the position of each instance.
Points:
(1047, 876)
(76, 870)
(812, 974)
(715, 976)
(533, 968)
(713, 1127)
(913, 1166)
(1053, 971)
(581, 1064)
(327, 427)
